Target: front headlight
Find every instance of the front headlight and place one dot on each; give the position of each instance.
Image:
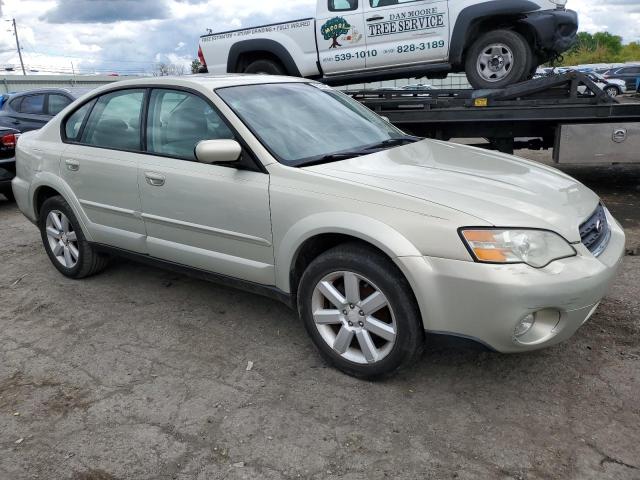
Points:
(537, 248)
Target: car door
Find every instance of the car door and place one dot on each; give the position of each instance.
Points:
(340, 36)
(630, 75)
(29, 113)
(212, 217)
(402, 32)
(100, 165)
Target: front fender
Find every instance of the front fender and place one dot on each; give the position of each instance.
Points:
(364, 228)
(460, 36)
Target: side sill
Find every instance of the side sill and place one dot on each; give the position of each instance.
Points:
(224, 280)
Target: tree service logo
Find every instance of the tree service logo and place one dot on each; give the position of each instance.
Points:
(334, 29)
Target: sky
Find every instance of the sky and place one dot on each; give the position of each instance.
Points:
(133, 36)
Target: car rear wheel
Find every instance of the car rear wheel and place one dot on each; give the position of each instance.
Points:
(265, 67)
(360, 312)
(65, 243)
(497, 59)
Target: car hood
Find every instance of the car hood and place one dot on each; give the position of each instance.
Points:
(499, 189)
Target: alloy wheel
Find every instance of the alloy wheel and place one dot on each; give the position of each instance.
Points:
(62, 239)
(495, 62)
(354, 317)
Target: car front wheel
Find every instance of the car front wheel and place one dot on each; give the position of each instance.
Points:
(360, 312)
(612, 91)
(65, 243)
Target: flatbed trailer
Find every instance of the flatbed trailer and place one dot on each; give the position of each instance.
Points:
(567, 112)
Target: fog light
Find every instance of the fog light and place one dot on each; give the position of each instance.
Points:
(525, 325)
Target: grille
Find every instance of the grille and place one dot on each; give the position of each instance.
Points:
(595, 232)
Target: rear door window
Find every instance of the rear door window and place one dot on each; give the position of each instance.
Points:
(74, 122)
(32, 104)
(115, 121)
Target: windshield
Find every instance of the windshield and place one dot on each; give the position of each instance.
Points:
(304, 123)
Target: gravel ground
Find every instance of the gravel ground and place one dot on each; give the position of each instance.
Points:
(142, 374)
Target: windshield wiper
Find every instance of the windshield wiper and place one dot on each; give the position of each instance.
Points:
(333, 157)
(395, 142)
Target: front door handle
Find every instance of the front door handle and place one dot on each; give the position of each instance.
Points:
(154, 179)
(72, 165)
(16, 122)
(375, 19)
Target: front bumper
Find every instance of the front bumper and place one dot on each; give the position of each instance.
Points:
(556, 31)
(486, 302)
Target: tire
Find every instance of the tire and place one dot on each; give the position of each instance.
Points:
(374, 274)
(511, 56)
(612, 91)
(87, 262)
(265, 67)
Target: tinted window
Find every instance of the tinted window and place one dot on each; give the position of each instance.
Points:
(74, 122)
(57, 103)
(33, 104)
(15, 104)
(178, 121)
(342, 5)
(389, 3)
(115, 121)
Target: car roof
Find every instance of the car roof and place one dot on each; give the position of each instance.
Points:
(208, 81)
(75, 92)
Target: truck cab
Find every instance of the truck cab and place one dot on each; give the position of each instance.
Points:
(496, 43)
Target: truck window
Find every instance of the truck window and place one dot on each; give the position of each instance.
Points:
(388, 3)
(343, 5)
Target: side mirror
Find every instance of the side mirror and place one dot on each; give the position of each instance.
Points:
(218, 151)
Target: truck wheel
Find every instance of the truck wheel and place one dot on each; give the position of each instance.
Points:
(497, 59)
(265, 67)
(360, 312)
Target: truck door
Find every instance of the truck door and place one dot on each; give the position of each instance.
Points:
(340, 35)
(401, 32)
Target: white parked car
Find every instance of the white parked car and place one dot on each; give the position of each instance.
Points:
(612, 86)
(289, 188)
(356, 41)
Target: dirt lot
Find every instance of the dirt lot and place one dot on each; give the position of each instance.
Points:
(139, 373)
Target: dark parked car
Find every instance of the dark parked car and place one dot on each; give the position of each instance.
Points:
(630, 74)
(8, 138)
(31, 110)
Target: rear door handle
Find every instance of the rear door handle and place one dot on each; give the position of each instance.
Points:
(72, 165)
(154, 179)
(375, 19)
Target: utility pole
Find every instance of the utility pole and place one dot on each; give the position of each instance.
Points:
(15, 32)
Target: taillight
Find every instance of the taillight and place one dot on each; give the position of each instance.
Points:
(8, 140)
(201, 57)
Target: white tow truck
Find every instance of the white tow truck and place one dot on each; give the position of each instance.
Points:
(496, 43)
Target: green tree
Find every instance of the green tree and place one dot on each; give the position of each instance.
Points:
(195, 66)
(335, 28)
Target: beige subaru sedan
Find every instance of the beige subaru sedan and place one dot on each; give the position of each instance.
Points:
(288, 188)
